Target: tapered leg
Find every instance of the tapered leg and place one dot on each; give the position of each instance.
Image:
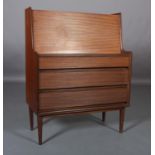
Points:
(31, 118)
(103, 116)
(121, 119)
(39, 130)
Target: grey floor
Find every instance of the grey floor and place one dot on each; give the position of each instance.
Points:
(77, 135)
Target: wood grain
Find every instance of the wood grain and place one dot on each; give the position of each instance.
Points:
(82, 97)
(31, 64)
(82, 78)
(82, 109)
(65, 32)
(75, 63)
(58, 62)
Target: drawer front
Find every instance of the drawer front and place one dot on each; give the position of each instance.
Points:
(82, 97)
(82, 78)
(83, 62)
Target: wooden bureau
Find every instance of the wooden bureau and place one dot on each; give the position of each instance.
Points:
(75, 63)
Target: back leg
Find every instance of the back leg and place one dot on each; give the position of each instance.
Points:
(121, 119)
(103, 116)
(31, 118)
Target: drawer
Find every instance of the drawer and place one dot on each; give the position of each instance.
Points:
(53, 79)
(82, 97)
(57, 62)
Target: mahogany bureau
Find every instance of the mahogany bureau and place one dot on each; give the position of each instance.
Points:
(75, 63)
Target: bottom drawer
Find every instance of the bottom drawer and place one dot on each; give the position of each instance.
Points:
(82, 97)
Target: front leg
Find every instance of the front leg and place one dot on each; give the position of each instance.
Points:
(39, 129)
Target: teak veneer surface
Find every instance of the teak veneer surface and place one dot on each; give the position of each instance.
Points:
(82, 78)
(75, 64)
(83, 61)
(82, 97)
(62, 32)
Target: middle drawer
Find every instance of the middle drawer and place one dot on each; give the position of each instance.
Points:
(71, 78)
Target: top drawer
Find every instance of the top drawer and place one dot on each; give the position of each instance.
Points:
(58, 62)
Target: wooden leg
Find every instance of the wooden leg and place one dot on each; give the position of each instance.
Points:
(31, 118)
(39, 130)
(103, 116)
(121, 119)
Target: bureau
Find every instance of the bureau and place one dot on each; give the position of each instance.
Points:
(75, 64)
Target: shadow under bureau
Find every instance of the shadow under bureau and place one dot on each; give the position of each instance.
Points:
(75, 64)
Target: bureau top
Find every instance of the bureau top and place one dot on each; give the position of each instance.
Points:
(56, 32)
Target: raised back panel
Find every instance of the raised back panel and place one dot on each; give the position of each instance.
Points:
(65, 32)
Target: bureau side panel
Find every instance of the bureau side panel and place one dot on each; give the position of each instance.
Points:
(130, 76)
(31, 64)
